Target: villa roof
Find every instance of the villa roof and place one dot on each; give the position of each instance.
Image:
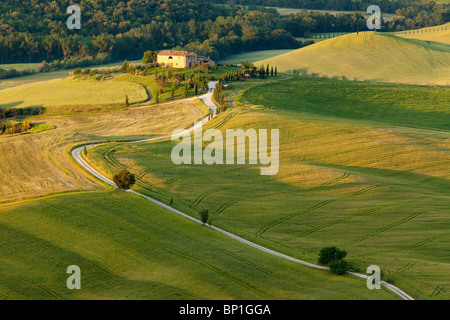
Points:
(175, 53)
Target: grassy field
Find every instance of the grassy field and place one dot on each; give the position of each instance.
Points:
(19, 66)
(39, 163)
(437, 34)
(371, 184)
(43, 76)
(405, 105)
(127, 248)
(371, 56)
(289, 11)
(253, 56)
(71, 92)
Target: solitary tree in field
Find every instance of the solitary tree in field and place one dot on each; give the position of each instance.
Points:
(186, 91)
(85, 151)
(329, 254)
(276, 71)
(124, 180)
(204, 216)
(127, 101)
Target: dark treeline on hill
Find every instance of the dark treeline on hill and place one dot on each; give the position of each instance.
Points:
(35, 31)
(389, 6)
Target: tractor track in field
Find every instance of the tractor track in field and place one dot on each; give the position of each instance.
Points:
(293, 215)
(76, 154)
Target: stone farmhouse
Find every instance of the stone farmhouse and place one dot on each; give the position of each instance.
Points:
(182, 59)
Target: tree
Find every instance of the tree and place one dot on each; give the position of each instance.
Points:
(276, 71)
(186, 90)
(124, 180)
(127, 102)
(339, 267)
(157, 97)
(149, 57)
(85, 151)
(204, 216)
(172, 93)
(125, 66)
(329, 254)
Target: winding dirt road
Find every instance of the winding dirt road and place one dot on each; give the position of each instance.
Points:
(207, 100)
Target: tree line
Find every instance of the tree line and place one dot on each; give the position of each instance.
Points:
(389, 6)
(13, 127)
(118, 29)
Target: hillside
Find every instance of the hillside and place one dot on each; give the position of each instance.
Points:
(127, 248)
(437, 34)
(70, 92)
(371, 56)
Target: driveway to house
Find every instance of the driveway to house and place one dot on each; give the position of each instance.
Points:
(207, 99)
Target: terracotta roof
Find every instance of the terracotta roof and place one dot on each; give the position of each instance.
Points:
(175, 53)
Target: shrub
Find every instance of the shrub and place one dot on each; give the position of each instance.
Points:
(329, 254)
(339, 267)
(204, 216)
(124, 180)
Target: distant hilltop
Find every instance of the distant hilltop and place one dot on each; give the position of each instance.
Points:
(371, 56)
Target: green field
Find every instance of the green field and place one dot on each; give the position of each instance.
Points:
(71, 92)
(373, 184)
(19, 66)
(127, 248)
(405, 105)
(44, 76)
(289, 11)
(371, 56)
(253, 56)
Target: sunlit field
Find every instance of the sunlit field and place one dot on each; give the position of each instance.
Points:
(372, 184)
(371, 56)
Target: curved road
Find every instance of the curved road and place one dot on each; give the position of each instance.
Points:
(207, 99)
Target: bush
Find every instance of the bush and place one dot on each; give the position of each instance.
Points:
(204, 216)
(329, 254)
(124, 180)
(339, 267)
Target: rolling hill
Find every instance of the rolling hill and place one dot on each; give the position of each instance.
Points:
(437, 34)
(371, 56)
